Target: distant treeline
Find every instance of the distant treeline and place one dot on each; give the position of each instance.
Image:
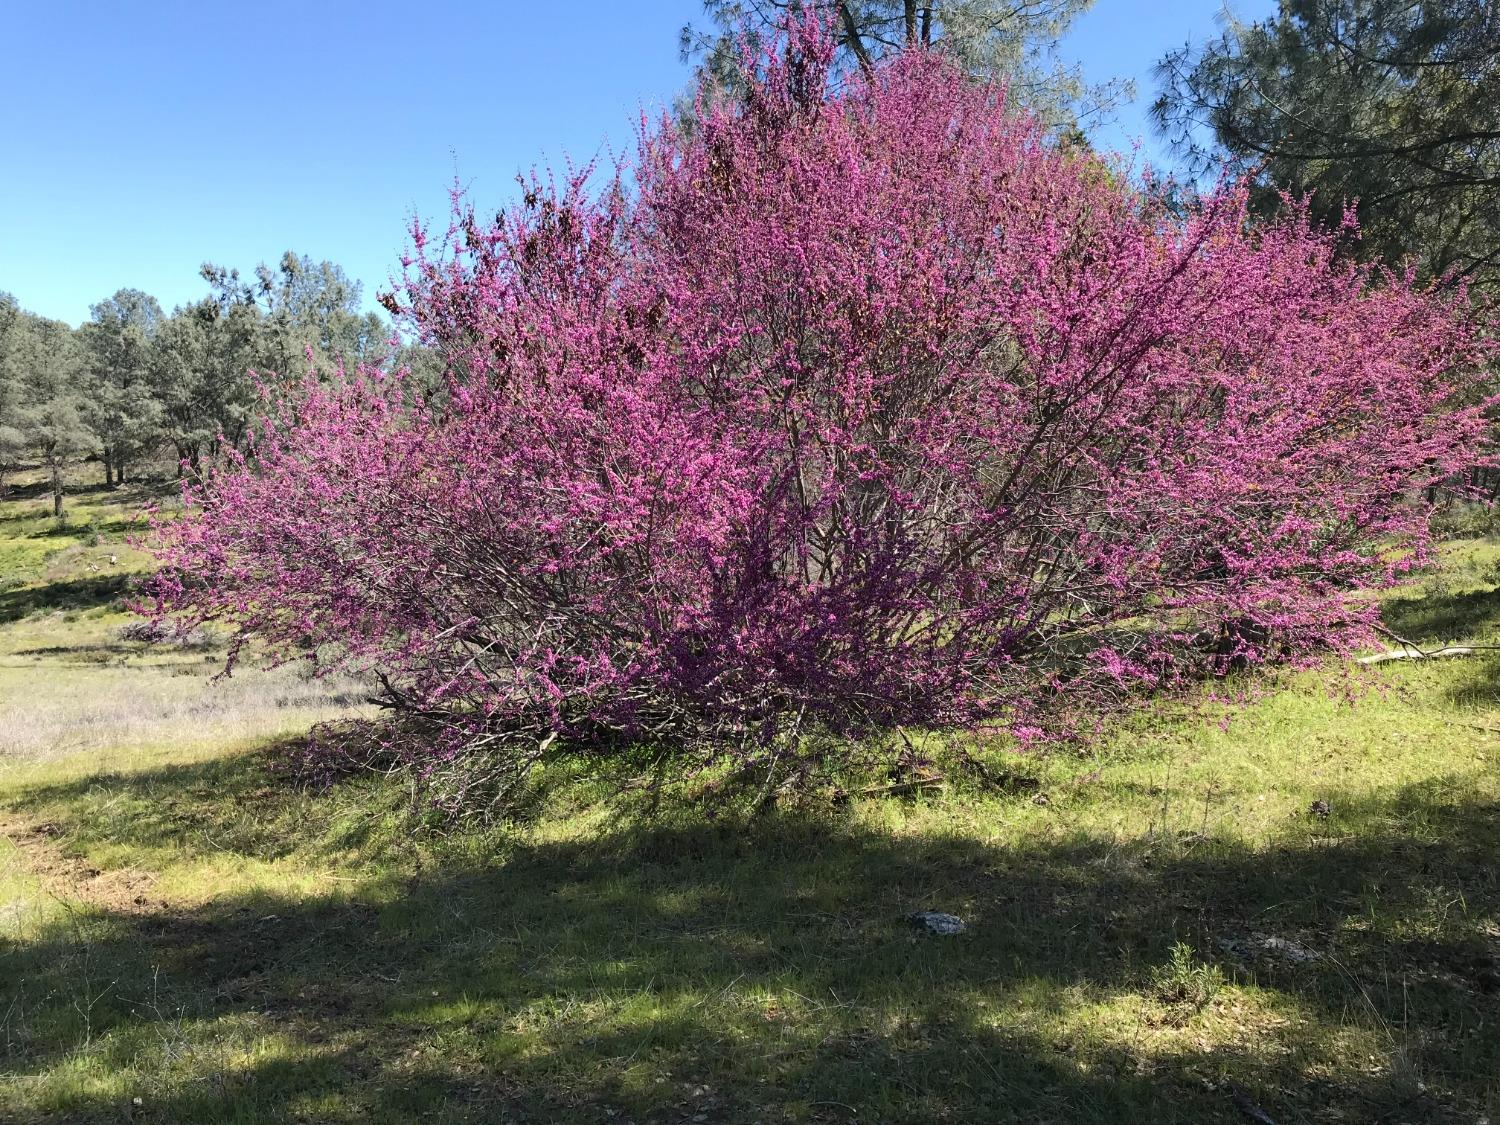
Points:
(134, 384)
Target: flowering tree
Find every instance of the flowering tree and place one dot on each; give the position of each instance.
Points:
(857, 407)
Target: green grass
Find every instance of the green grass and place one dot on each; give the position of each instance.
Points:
(68, 560)
(1163, 931)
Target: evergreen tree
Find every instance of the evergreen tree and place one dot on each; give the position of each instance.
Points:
(201, 375)
(41, 369)
(118, 399)
(1393, 104)
(1014, 42)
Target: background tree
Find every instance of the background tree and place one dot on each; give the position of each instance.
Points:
(304, 305)
(132, 381)
(41, 366)
(317, 305)
(200, 372)
(11, 439)
(118, 399)
(209, 356)
(1013, 41)
(1391, 103)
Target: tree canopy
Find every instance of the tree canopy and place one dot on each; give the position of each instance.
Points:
(117, 400)
(133, 382)
(1391, 103)
(1011, 41)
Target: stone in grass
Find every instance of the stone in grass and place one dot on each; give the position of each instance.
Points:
(936, 922)
(1285, 949)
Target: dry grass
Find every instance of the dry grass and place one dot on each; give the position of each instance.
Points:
(70, 686)
(47, 712)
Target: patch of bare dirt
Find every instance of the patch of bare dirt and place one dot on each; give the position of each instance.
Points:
(124, 890)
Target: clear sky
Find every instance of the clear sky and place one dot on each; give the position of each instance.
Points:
(145, 138)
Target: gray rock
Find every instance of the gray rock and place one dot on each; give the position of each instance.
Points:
(936, 922)
(1248, 947)
(1287, 949)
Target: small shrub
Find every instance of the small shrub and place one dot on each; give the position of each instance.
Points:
(1184, 982)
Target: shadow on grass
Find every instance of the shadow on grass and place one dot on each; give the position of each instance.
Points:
(68, 528)
(39, 489)
(765, 971)
(1438, 618)
(23, 515)
(103, 652)
(72, 594)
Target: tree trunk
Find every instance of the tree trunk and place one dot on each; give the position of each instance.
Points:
(911, 22)
(105, 458)
(57, 489)
(853, 37)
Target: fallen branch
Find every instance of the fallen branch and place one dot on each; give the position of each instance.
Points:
(1410, 650)
(1414, 653)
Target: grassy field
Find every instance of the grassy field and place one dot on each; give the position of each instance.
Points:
(1291, 913)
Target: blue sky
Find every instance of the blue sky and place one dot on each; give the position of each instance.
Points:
(145, 138)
